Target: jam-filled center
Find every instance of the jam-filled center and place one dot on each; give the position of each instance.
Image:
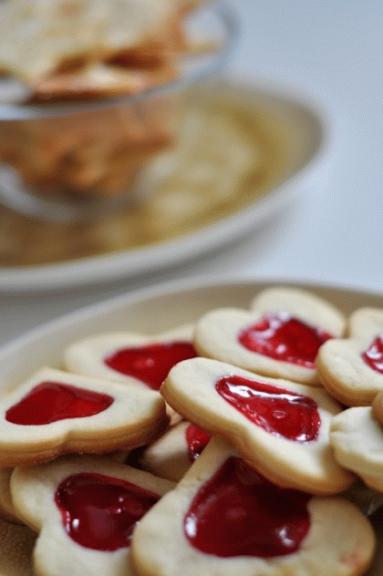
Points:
(283, 337)
(238, 513)
(373, 356)
(196, 440)
(52, 401)
(278, 411)
(151, 363)
(100, 512)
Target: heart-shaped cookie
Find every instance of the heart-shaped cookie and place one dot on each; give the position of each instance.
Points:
(85, 510)
(223, 518)
(365, 322)
(352, 368)
(128, 357)
(55, 412)
(280, 337)
(357, 439)
(279, 427)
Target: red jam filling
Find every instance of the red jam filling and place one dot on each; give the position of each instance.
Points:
(373, 356)
(282, 337)
(238, 513)
(52, 401)
(152, 363)
(100, 512)
(278, 411)
(197, 440)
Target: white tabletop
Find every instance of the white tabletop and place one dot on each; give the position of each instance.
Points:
(331, 50)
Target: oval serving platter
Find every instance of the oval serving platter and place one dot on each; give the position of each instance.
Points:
(193, 206)
(151, 311)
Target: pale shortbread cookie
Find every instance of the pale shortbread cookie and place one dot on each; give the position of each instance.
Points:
(308, 464)
(339, 541)
(352, 369)
(38, 37)
(127, 418)
(17, 544)
(303, 304)
(365, 323)
(99, 80)
(7, 510)
(357, 439)
(171, 455)
(56, 553)
(218, 333)
(87, 356)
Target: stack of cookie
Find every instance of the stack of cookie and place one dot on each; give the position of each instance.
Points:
(83, 50)
(217, 449)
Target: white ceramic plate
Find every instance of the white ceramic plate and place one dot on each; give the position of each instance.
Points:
(151, 311)
(307, 132)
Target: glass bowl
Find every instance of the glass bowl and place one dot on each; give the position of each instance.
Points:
(76, 160)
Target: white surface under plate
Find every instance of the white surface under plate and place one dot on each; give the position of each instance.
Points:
(306, 130)
(151, 311)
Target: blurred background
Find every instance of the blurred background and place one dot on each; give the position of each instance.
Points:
(328, 54)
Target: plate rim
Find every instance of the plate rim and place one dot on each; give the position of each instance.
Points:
(166, 289)
(132, 263)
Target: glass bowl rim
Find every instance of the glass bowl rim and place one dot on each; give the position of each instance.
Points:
(226, 16)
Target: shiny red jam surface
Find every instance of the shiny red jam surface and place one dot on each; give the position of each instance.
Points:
(151, 363)
(373, 356)
(100, 512)
(238, 513)
(282, 337)
(196, 439)
(52, 401)
(277, 410)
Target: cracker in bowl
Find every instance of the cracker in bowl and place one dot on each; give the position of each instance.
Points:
(85, 50)
(45, 35)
